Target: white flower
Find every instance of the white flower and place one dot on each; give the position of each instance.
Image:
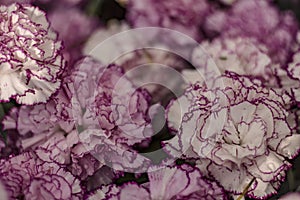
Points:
(240, 132)
(241, 55)
(30, 55)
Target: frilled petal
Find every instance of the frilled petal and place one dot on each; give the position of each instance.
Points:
(183, 16)
(182, 182)
(28, 176)
(116, 155)
(263, 21)
(72, 30)
(242, 55)
(129, 191)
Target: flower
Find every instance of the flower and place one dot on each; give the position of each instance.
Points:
(28, 176)
(118, 45)
(114, 154)
(97, 111)
(263, 21)
(8, 2)
(53, 182)
(182, 182)
(31, 61)
(112, 116)
(37, 124)
(110, 102)
(72, 30)
(242, 55)
(239, 130)
(142, 66)
(183, 16)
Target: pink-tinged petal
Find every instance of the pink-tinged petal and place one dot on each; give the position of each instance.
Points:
(289, 147)
(57, 148)
(165, 183)
(106, 151)
(263, 21)
(182, 182)
(26, 175)
(3, 192)
(291, 196)
(184, 16)
(134, 192)
(72, 30)
(125, 192)
(10, 121)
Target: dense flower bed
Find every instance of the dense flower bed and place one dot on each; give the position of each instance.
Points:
(148, 99)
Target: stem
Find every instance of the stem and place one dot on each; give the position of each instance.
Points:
(93, 7)
(291, 181)
(2, 112)
(122, 2)
(246, 189)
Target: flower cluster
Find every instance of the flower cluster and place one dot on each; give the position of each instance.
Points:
(148, 99)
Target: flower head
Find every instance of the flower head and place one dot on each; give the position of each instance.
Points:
(258, 19)
(72, 30)
(27, 176)
(242, 55)
(31, 60)
(240, 131)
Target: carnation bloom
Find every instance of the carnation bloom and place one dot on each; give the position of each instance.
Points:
(183, 182)
(72, 30)
(39, 123)
(31, 60)
(115, 114)
(183, 16)
(147, 65)
(111, 102)
(241, 133)
(241, 55)
(258, 19)
(88, 112)
(27, 176)
(244, 56)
